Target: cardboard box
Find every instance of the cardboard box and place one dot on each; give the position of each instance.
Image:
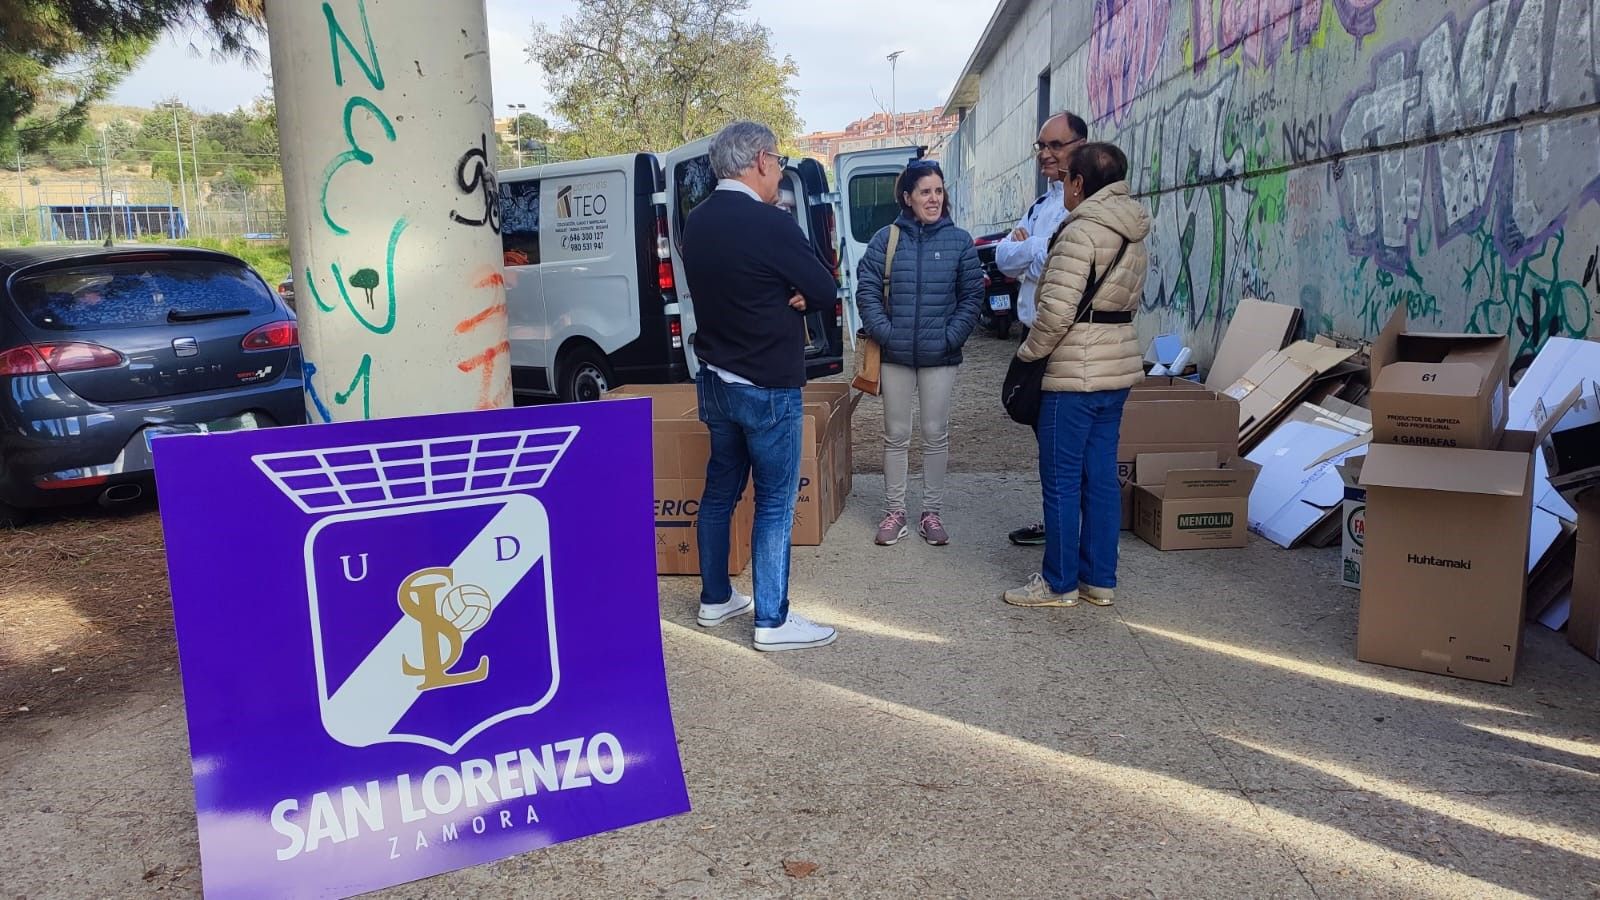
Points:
(1439, 390)
(825, 463)
(1572, 452)
(1298, 497)
(1445, 568)
(1276, 384)
(1353, 517)
(1172, 415)
(1190, 501)
(1257, 329)
(1583, 627)
(681, 445)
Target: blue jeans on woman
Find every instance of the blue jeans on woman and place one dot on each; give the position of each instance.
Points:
(753, 430)
(1078, 434)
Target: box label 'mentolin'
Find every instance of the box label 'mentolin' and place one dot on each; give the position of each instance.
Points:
(1204, 521)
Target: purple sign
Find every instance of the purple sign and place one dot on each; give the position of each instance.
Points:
(415, 645)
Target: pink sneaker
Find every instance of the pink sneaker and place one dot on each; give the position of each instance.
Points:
(932, 530)
(893, 527)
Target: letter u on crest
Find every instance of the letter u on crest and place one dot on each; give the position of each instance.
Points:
(354, 579)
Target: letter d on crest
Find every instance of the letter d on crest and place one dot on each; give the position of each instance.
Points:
(500, 548)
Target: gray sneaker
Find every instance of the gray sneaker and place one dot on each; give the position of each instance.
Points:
(932, 530)
(1037, 593)
(893, 527)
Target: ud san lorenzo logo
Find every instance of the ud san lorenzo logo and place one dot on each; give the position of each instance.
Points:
(428, 583)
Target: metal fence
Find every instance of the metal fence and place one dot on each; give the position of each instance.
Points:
(59, 210)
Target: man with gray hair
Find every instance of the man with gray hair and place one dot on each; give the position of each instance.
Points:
(752, 274)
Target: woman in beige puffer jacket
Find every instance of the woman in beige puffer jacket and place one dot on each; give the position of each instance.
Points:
(1094, 360)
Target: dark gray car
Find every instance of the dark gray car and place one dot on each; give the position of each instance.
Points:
(104, 349)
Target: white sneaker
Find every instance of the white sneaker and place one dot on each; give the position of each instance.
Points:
(712, 615)
(799, 633)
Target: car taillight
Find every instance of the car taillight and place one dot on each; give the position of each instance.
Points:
(274, 336)
(675, 328)
(664, 276)
(65, 356)
(283, 290)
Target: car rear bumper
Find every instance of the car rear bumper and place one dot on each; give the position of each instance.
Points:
(58, 449)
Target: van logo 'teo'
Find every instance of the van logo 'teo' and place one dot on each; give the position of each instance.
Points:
(1201, 521)
(1434, 561)
(570, 204)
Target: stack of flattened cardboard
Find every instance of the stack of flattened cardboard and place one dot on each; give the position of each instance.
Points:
(1171, 415)
(1450, 499)
(1279, 381)
(1257, 329)
(1299, 496)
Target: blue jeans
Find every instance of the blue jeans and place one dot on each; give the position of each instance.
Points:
(1082, 498)
(753, 430)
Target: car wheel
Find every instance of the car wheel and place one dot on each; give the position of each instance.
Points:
(584, 376)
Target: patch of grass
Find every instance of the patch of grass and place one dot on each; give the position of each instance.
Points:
(271, 259)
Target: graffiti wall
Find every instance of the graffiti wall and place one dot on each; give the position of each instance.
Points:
(1346, 156)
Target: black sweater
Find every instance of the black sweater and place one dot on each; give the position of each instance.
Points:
(743, 260)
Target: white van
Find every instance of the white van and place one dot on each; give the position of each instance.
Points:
(866, 181)
(594, 281)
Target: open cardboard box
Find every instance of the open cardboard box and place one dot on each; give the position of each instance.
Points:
(1172, 415)
(1192, 501)
(1445, 568)
(1439, 390)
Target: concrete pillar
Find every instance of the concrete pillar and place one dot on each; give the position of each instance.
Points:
(386, 124)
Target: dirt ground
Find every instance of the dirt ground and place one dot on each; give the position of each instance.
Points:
(982, 438)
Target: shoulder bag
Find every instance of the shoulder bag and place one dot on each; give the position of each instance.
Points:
(869, 356)
(1023, 391)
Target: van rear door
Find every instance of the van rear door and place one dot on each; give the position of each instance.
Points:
(866, 182)
(818, 216)
(689, 182)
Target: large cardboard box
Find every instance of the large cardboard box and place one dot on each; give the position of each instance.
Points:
(1258, 328)
(825, 476)
(1445, 568)
(681, 447)
(1353, 517)
(1172, 415)
(1439, 390)
(1189, 501)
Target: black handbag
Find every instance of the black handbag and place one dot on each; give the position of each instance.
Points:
(1022, 394)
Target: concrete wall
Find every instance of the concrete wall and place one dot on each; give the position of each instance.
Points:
(1346, 156)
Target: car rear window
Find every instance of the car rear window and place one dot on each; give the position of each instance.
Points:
(872, 205)
(137, 294)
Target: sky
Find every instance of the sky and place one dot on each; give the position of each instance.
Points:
(839, 45)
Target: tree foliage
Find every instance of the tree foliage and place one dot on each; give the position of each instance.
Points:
(631, 75)
(58, 57)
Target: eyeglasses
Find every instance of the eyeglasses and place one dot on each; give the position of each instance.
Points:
(1054, 146)
(783, 161)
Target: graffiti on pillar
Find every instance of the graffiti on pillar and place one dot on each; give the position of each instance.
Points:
(361, 113)
(475, 177)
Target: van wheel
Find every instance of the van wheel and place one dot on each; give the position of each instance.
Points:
(583, 376)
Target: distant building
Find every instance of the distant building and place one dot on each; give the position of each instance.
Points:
(927, 127)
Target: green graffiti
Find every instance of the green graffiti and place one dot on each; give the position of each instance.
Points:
(367, 280)
(356, 153)
(1531, 301)
(336, 35)
(362, 380)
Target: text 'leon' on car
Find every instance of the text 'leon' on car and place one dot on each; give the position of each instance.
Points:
(106, 349)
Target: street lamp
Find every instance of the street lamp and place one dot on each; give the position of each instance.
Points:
(517, 110)
(894, 60)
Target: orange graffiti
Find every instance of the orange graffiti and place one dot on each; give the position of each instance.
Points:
(499, 309)
(486, 362)
(493, 279)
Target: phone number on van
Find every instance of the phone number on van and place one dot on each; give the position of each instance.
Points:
(583, 241)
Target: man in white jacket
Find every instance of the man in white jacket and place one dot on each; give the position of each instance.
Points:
(1022, 254)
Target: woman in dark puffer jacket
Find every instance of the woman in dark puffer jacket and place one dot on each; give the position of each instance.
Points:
(936, 287)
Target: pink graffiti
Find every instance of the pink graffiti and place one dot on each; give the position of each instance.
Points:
(1124, 52)
(1259, 29)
